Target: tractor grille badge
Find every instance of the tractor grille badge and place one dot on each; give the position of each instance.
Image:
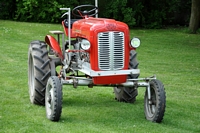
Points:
(110, 27)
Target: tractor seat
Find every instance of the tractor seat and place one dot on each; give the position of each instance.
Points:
(71, 22)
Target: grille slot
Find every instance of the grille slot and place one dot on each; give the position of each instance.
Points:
(111, 50)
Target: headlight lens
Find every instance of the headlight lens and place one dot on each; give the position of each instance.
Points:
(135, 42)
(85, 44)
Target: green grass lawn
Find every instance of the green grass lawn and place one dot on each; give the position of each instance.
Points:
(171, 54)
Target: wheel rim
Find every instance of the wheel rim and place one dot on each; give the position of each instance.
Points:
(118, 89)
(49, 99)
(31, 76)
(151, 105)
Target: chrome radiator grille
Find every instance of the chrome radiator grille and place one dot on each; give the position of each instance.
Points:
(111, 50)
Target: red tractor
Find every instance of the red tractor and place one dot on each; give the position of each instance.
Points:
(97, 52)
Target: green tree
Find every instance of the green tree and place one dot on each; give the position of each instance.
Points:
(119, 10)
(7, 9)
(195, 16)
(41, 10)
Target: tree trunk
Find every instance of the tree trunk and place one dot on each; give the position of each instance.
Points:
(195, 16)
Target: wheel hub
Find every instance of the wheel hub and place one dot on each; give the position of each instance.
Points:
(49, 101)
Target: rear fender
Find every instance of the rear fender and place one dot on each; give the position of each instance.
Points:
(52, 42)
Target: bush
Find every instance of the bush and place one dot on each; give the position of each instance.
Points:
(118, 10)
(7, 9)
(37, 11)
(158, 13)
(139, 13)
(41, 10)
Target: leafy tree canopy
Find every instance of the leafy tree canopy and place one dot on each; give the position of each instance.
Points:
(140, 13)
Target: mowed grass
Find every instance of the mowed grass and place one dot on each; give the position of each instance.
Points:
(171, 54)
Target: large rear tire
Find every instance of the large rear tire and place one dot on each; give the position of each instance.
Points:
(128, 94)
(38, 71)
(53, 99)
(155, 107)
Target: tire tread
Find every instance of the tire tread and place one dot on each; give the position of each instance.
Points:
(38, 52)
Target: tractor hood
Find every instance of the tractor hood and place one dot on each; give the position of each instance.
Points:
(87, 28)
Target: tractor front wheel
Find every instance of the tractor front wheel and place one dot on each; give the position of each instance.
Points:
(53, 99)
(154, 107)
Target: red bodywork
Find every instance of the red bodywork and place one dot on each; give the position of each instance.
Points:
(52, 42)
(89, 28)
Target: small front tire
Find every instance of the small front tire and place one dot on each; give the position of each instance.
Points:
(155, 107)
(53, 99)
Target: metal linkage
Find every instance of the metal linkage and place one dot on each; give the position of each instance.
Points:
(141, 82)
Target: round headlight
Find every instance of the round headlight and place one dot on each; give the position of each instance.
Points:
(85, 44)
(135, 42)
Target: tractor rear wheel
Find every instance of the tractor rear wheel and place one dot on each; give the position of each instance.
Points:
(154, 107)
(38, 71)
(128, 94)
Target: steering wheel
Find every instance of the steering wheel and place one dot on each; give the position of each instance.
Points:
(80, 11)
